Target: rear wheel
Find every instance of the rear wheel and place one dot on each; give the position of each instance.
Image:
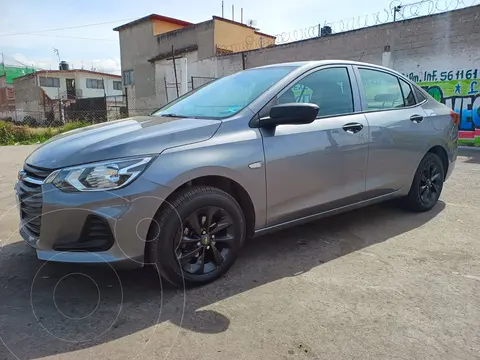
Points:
(427, 184)
(196, 238)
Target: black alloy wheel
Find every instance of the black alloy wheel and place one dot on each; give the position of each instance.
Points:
(197, 236)
(427, 184)
(430, 183)
(206, 239)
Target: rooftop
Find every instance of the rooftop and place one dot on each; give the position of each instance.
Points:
(242, 24)
(71, 71)
(185, 23)
(153, 17)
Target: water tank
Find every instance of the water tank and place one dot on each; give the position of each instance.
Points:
(326, 30)
(64, 66)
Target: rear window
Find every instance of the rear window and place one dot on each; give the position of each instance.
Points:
(408, 97)
(382, 90)
(419, 95)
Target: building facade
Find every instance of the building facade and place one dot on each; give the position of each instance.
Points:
(48, 96)
(149, 45)
(76, 84)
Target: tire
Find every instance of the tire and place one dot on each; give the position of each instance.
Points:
(424, 192)
(174, 237)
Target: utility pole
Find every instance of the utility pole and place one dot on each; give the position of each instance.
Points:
(175, 71)
(105, 99)
(60, 107)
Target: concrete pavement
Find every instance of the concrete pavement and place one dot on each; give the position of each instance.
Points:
(377, 283)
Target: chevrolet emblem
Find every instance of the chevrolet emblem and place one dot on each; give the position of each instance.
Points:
(21, 175)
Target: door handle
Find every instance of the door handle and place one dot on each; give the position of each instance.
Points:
(416, 118)
(352, 128)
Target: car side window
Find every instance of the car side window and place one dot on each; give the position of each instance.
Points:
(419, 95)
(408, 97)
(382, 90)
(330, 89)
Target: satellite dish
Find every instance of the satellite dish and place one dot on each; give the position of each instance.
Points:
(252, 23)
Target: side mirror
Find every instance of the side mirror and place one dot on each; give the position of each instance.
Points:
(290, 114)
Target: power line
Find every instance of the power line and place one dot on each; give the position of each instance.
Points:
(72, 37)
(64, 28)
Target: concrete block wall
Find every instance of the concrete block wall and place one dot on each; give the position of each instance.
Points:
(136, 44)
(450, 40)
(28, 99)
(211, 68)
(452, 37)
(201, 34)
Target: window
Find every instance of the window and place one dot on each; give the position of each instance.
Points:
(50, 82)
(128, 77)
(419, 95)
(117, 85)
(408, 97)
(382, 90)
(330, 89)
(94, 84)
(226, 96)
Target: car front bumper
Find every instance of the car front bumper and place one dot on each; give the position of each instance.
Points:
(117, 234)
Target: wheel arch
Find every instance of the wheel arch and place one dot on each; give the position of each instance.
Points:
(222, 182)
(442, 154)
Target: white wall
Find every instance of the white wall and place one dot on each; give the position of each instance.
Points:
(80, 83)
(212, 67)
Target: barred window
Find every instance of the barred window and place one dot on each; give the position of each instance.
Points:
(94, 84)
(117, 85)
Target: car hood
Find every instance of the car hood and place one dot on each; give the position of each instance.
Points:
(127, 137)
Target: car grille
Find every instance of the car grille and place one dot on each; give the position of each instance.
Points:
(30, 195)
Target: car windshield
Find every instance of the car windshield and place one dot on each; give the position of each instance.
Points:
(226, 96)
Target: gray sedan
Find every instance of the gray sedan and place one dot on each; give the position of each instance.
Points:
(249, 153)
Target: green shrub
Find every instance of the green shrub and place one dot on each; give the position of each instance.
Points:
(11, 134)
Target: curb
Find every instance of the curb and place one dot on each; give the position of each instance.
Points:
(469, 148)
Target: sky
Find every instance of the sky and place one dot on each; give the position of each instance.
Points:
(97, 46)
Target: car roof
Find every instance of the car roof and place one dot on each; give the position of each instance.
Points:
(311, 64)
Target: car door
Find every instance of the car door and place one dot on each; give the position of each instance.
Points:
(398, 129)
(316, 167)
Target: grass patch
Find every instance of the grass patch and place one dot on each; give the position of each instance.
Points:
(11, 134)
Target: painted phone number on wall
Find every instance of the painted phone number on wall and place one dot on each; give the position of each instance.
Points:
(435, 75)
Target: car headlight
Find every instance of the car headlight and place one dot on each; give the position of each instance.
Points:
(105, 175)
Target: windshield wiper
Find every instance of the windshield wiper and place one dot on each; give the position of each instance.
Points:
(175, 115)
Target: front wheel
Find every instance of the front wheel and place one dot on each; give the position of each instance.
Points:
(427, 184)
(197, 236)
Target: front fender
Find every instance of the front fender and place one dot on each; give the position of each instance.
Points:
(224, 155)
